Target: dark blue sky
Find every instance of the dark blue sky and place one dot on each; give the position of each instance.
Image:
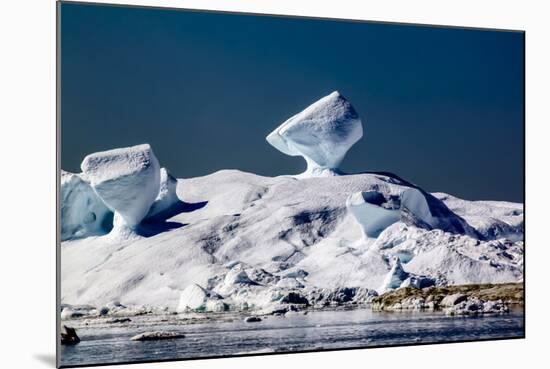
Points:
(441, 107)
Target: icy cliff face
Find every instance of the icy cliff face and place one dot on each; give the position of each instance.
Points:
(83, 213)
(253, 242)
(322, 134)
(126, 179)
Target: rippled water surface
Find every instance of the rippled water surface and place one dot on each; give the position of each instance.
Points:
(314, 331)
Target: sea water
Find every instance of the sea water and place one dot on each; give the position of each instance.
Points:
(295, 332)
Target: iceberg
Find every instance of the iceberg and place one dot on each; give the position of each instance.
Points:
(126, 179)
(322, 134)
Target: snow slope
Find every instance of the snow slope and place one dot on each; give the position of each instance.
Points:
(255, 242)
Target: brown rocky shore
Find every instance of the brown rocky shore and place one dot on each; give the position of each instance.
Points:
(471, 299)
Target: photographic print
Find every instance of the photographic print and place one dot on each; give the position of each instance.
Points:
(240, 184)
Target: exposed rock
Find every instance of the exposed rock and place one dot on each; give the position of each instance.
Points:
(69, 336)
(454, 300)
(339, 296)
(118, 320)
(475, 306)
(294, 298)
(252, 319)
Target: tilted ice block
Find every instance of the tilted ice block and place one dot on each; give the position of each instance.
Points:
(167, 196)
(321, 134)
(126, 179)
(83, 213)
(373, 211)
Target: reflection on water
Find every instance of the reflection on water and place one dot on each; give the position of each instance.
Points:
(314, 331)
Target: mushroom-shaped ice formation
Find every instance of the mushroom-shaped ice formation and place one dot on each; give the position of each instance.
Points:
(322, 134)
(375, 211)
(83, 213)
(126, 179)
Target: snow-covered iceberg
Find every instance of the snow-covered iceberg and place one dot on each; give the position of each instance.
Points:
(261, 242)
(322, 134)
(248, 242)
(126, 179)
